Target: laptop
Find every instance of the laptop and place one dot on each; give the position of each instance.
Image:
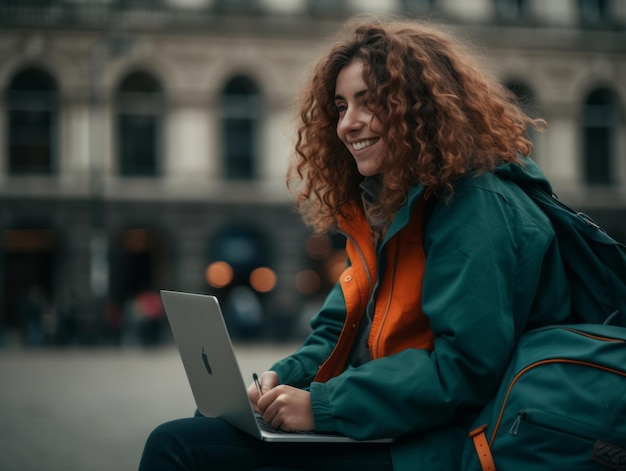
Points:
(214, 375)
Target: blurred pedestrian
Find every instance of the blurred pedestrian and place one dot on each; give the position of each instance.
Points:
(30, 309)
(151, 317)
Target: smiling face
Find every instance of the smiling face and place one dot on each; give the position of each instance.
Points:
(357, 126)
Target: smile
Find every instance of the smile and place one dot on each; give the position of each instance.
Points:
(363, 144)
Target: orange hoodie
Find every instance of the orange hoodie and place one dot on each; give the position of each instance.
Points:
(398, 322)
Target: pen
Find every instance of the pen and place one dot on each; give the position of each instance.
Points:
(258, 385)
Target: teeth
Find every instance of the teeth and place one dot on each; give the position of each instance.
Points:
(363, 144)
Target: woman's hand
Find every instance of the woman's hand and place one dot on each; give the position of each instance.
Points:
(268, 381)
(287, 408)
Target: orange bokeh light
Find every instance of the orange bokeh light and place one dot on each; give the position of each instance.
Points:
(219, 274)
(263, 279)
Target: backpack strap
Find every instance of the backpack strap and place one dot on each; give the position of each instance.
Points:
(595, 262)
(482, 448)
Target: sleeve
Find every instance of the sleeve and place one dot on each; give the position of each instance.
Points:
(483, 256)
(300, 368)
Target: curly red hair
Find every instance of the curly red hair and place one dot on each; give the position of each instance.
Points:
(442, 117)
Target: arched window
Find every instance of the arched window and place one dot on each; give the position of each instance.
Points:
(236, 6)
(326, 7)
(241, 111)
(600, 124)
(140, 109)
(32, 111)
(511, 10)
(419, 6)
(595, 12)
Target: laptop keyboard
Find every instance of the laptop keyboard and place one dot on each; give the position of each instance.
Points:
(263, 425)
(266, 427)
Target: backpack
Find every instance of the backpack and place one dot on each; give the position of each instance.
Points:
(595, 263)
(562, 402)
(561, 406)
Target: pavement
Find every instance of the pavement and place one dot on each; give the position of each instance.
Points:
(91, 409)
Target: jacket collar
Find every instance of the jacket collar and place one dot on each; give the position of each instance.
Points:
(354, 222)
(404, 213)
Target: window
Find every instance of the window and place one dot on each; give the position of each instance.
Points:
(600, 125)
(241, 111)
(326, 6)
(419, 6)
(511, 10)
(32, 112)
(594, 12)
(140, 110)
(237, 5)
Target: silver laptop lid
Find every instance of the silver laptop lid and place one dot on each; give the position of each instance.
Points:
(207, 354)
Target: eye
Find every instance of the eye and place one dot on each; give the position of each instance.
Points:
(341, 107)
(367, 105)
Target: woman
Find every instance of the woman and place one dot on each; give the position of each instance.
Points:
(412, 152)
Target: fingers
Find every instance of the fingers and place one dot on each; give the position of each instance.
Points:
(287, 408)
(272, 412)
(268, 380)
(284, 407)
(253, 396)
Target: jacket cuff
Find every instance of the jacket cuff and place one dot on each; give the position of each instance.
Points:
(321, 407)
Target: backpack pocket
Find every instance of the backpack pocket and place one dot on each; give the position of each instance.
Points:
(552, 441)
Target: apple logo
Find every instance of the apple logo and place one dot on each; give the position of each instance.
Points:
(206, 362)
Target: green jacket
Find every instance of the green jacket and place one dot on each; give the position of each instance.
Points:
(493, 271)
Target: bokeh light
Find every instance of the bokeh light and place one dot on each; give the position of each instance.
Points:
(308, 282)
(263, 279)
(219, 274)
(318, 247)
(335, 266)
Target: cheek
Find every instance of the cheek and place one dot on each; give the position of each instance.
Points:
(376, 126)
(338, 128)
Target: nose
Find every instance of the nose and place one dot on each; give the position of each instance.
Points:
(352, 120)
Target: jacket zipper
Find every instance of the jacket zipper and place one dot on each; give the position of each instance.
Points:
(376, 345)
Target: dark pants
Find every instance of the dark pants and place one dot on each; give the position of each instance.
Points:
(208, 444)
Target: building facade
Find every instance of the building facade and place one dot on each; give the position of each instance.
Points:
(143, 144)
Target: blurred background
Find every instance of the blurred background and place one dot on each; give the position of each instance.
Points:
(144, 143)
